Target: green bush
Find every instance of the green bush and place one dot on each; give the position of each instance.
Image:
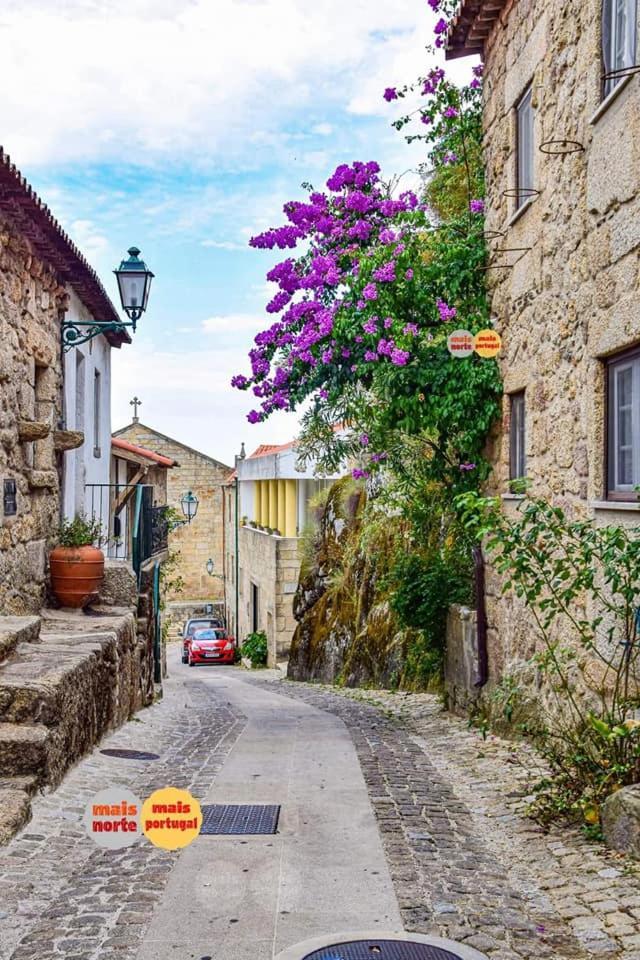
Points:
(255, 648)
(79, 532)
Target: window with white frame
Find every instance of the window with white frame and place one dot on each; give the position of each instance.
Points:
(524, 147)
(517, 456)
(623, 429)
(97, 400)
(619, 40)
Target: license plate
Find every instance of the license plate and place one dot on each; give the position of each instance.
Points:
(212, 654)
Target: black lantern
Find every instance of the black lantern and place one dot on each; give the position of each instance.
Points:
(134, 281)
(189, 504)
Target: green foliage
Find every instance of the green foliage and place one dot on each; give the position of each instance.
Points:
(79, 532)
(255, 649)
(581, 584)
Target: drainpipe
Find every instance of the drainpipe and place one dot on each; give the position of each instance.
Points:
(481, 617)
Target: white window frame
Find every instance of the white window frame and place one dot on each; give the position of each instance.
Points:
(517, 435)
(619, 40)
(616, 488)
(525, 147)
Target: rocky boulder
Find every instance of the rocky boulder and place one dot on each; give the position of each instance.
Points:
(621, 820)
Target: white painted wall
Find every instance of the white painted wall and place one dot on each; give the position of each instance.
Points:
(90, 463)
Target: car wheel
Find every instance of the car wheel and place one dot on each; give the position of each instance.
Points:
(191, 663)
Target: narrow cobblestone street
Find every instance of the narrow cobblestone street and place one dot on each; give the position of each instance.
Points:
(452, 854)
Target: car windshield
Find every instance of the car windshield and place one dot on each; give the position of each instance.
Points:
(199, 625)
(208, 635)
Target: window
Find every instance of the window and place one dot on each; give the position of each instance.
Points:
(10, 498)
(96, 413)
(623, 433)
(517, 457)
(619, 31)
(524, 148)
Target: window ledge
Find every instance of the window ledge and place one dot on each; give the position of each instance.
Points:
(512, 496)
(615, 505)
(608, 100)
(522, 209)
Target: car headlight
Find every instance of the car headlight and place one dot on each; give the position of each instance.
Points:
(195, 646)
(228, 646)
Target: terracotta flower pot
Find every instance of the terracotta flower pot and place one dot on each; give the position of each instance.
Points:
(76, 574)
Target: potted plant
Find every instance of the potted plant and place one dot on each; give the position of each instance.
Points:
(76, 565)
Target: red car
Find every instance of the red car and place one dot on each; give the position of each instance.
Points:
(211, 646)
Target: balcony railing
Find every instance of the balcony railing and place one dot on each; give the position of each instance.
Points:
(132, 527)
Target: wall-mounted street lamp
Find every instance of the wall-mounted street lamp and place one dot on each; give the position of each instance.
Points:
(189, 504)
(210, 566)
(134, 282)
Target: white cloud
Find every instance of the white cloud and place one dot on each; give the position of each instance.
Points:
(187, 396)
(233, 323)
(134, 80)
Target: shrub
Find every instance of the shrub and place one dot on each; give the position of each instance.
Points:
(581, 584)
(255, 649)
(79, 532)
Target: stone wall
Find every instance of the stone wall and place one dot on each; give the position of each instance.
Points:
(272, 564)
(30, 409)
(204, 537)
(571, 297)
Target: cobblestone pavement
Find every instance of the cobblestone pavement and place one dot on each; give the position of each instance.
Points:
(465, 861)
(61, 896)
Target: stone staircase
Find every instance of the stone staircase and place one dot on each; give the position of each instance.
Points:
(66, 678)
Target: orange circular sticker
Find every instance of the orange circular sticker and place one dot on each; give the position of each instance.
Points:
(487, 343)
(171, 818)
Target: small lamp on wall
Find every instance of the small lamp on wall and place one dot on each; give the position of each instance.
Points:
(210, 566)
(189, 504)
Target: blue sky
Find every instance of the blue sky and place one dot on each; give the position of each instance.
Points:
(183, 126)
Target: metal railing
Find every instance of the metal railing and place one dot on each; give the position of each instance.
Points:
(132, 528)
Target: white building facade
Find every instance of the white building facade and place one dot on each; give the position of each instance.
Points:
(87, 409)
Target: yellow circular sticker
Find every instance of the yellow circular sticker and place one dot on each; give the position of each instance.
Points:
(171, 818)
(487, 343)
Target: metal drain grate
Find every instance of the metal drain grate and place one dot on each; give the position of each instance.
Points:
(130, 754)
(226, 818)
(382, 950)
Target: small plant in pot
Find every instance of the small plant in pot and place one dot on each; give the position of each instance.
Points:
(76, 565)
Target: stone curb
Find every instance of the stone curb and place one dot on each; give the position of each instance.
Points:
(302, 950)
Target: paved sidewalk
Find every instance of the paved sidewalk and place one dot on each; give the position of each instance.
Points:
(60, 895)
(235, 898)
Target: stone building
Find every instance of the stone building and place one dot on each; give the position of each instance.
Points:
(43, 279)
(201, 540)
(275, 506)
(562, 158)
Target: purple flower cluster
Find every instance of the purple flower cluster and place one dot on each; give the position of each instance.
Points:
(338, 274)
(476, 206)
(446, 312)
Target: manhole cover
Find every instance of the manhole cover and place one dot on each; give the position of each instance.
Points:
(131, 754)
(221, 818)
(382, 950)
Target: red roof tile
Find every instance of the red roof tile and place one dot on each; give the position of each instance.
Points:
(120, 444)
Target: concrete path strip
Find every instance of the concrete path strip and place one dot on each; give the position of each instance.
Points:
(249, 898)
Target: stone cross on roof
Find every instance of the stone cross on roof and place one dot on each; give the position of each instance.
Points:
(135, 403)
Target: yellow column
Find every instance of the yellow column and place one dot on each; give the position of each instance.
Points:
(291, 512)
(273, 504)
(264, 503)
(282, 516)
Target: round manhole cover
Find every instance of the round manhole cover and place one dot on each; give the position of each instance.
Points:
(131, 754)
(383, 950)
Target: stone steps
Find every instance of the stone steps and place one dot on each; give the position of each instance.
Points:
(24, 749)
(15, 630)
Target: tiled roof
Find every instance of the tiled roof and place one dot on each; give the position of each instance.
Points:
(142, 452)
(22, 205)
(266, 448)
(471, 25)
